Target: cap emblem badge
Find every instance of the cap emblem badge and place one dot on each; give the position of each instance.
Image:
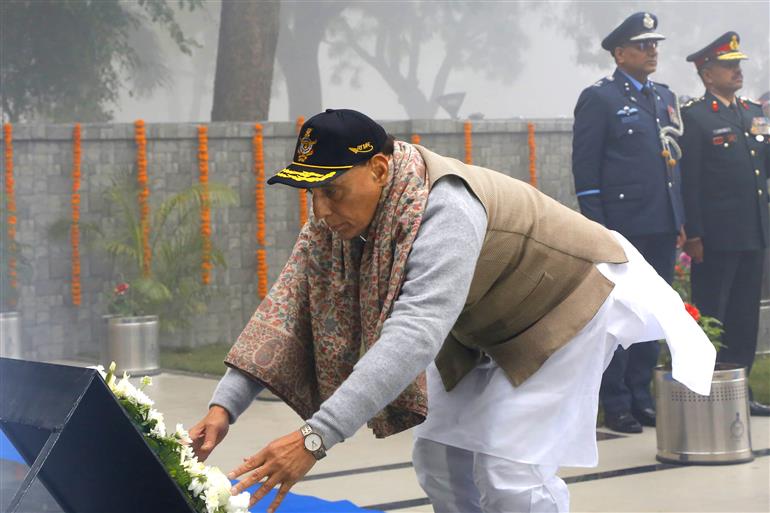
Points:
(362, 148)
(648, 21)
(306, 144)
(734, 43)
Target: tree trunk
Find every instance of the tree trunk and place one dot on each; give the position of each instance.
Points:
(201, 72)
(303, 26)
(299, 62)
(248, 34)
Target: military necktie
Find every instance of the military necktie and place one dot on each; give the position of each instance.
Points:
(649, 96)
(736, 112)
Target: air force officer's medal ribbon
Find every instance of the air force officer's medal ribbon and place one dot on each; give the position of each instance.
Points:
(674, 116)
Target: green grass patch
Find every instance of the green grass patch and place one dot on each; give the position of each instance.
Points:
(760, 379)
(200, 360)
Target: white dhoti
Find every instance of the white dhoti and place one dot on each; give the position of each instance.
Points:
(550, 419)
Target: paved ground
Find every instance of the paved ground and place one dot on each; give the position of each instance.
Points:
(378, 473)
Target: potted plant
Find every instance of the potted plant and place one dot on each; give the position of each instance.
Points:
(165, 296)
(13, 265)
(691, 428)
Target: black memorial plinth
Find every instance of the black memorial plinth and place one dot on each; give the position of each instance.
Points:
(80, 443)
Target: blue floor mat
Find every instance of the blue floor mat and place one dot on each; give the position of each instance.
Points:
(8, 451)
(293, 503)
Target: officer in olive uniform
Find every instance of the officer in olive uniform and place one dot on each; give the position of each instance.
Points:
(627, 178)
(725, 168)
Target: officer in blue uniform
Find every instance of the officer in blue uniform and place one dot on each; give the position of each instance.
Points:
(624, 161)
(725, 168)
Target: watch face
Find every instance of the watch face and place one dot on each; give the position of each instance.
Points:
(313, 442)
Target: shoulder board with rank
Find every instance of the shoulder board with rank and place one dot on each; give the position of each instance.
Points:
(692, 102)
(750, 100)
(604, 80)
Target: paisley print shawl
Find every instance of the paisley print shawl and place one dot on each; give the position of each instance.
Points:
(329, 303)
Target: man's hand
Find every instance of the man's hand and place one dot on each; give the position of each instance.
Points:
(681, 238)
(694, 248)
(282, 463)
(211, 429)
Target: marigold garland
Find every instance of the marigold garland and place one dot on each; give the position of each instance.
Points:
(75, 233)
(532, 154)
(203, 167)
(259, 198)
(302, 192)
(11, 202)
(144, 194)
(467, 128)
(415, 139)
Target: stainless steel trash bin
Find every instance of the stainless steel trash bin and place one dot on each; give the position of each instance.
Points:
(10, 335)
(132, 343)
(696, 429)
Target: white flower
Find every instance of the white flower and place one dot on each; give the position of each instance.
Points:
(196, 486)
(142, 398)
(122, 389)
(217, 491)
(125, 389)
(160, 427)
(211, 497)
(182, 435)
(146, 381)
(100, 369)
(110, 377)
(196, 468)
(238, 503)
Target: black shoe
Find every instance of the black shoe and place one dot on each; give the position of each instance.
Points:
(622, 422)
(645, 416)
(759, 409)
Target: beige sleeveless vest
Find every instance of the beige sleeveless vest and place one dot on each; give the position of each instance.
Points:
(535, 285)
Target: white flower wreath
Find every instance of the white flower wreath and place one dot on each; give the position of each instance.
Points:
(207, 488)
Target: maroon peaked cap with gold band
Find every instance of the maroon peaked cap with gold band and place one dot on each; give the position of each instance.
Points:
(724, 48)
(330, 144)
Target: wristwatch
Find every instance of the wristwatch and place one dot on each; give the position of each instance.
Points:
(313, 442)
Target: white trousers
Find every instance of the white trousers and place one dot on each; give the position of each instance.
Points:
(495, 485)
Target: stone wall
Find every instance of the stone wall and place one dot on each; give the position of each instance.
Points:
(52, 327)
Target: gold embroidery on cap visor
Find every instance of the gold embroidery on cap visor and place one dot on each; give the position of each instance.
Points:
(306, 176)
(732, 56)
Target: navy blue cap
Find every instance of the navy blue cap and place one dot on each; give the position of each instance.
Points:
(724, 48)
(329, 144)
(639, 26)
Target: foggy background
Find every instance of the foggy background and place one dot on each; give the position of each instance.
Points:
(392, 59)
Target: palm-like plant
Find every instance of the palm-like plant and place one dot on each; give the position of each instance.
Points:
(173, 289)
(10, 250)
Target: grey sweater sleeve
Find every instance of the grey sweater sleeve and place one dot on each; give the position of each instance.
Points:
(235, 392)
(439, 271)
(438, 275)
